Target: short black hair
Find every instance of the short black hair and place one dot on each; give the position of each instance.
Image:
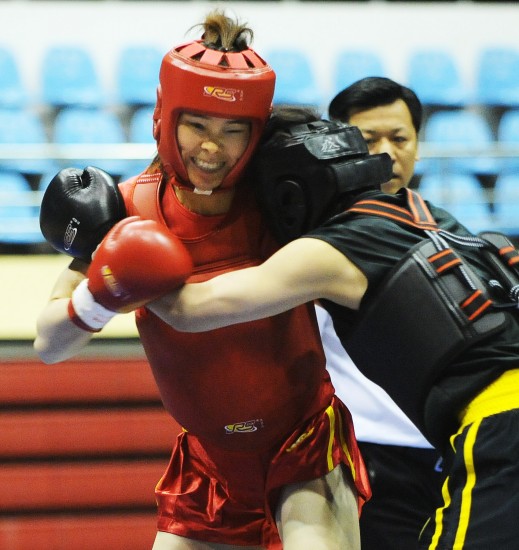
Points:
(374, 91)
(283, 117)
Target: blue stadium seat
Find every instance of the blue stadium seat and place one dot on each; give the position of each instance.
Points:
(352, 65)
(462, 131)
(434, 76)
(12, 89)
(506, 203)
(296, 82)
(137, 75)
(141, 126)
(497, 77)
(460, 194)
(508, 135)
(140, 131)
(45, 180)
(74, 125)
(23, 127)
(69, 77)
(19, 211)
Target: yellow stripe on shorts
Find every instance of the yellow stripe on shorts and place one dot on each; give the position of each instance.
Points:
(331, 417)
(466, 495)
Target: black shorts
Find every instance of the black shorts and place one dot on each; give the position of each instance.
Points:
(481, 494)
(406, 484)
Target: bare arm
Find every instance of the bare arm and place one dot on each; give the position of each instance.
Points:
(304, 270)
(57, 338)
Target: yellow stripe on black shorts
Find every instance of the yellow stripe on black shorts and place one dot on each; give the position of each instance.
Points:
(481, 500)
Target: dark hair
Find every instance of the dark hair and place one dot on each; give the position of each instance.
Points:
(283, 117)
(225, 34)
(374, 91)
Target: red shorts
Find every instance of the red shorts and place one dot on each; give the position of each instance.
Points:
(230, 497)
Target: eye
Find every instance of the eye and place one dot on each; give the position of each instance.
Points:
(195, 124)
(400, 139)
(237, 129)
(236, 133)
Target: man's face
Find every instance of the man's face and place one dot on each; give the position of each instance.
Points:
(389, 129)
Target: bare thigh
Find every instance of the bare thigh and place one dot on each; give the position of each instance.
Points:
(321, 514)
(168, 541)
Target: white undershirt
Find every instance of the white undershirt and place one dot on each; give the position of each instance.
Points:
(376, 417)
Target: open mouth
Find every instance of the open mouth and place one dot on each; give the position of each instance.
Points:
(207, 166)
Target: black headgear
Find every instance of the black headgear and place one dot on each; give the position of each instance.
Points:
(301, 172)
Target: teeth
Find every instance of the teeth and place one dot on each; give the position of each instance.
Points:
(209, 166)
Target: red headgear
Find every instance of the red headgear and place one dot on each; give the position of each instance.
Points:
(237, 85)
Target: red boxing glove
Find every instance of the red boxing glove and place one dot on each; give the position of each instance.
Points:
(138, 261)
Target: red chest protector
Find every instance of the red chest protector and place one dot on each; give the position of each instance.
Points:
(216, 243)
(243, 386)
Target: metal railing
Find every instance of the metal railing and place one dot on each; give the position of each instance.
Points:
(64, 155)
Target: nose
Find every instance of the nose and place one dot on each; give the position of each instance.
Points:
(210, 146)
(385, 146)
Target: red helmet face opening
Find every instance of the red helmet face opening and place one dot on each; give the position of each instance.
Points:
(236, 85)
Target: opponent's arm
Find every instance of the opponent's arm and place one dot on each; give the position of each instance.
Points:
(302, 271)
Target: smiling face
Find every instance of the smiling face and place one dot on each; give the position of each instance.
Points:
(389, 129)
(210, 147)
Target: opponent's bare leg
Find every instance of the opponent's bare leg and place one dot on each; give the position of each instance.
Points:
(168, 541)
(321, 514)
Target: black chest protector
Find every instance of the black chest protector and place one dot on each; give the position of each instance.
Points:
(431, 306)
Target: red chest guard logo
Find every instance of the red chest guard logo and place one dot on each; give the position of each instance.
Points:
(244, 427)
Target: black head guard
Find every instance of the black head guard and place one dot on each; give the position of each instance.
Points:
(301, 172)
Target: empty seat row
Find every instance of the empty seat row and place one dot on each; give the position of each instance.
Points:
(459, 192)
(433, 74)
(72, 125)
(19, 210)
(69, 76)
(478, 209)
(449, 137)
(457, 134)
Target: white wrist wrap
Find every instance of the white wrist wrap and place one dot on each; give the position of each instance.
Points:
(91, 313)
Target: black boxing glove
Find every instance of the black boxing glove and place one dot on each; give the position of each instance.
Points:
(78, 208)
